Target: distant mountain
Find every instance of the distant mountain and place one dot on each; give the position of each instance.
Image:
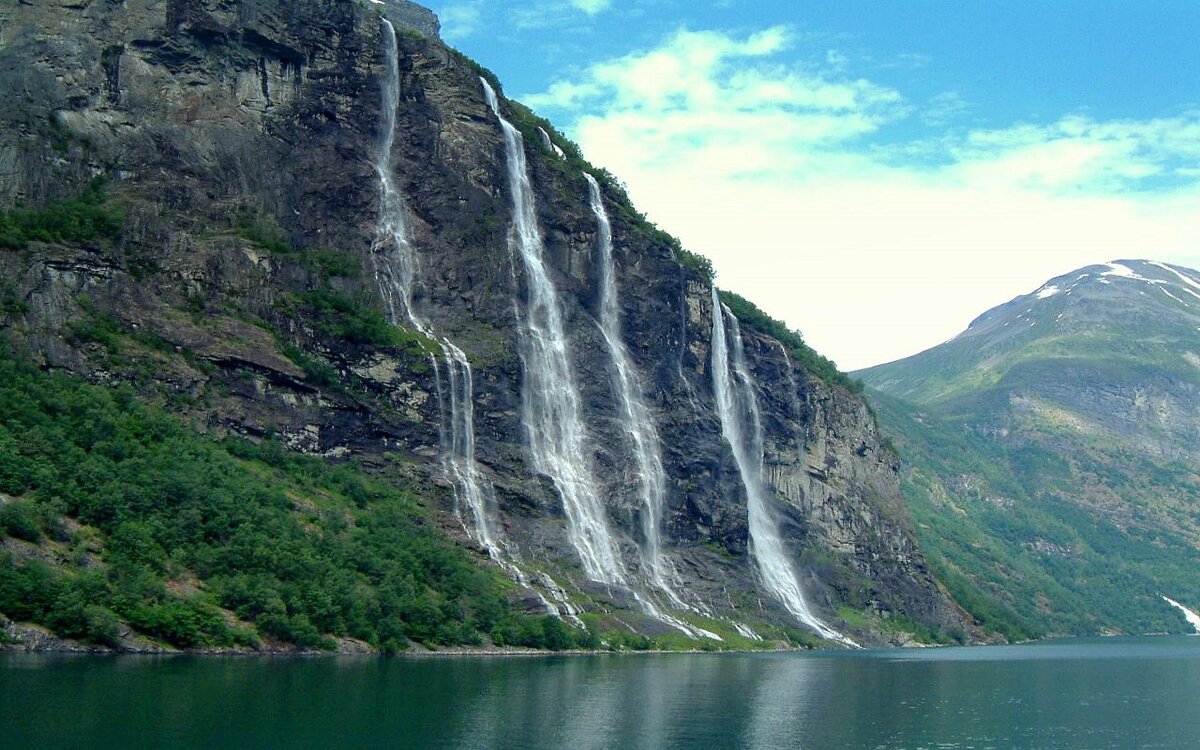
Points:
(1051, 451)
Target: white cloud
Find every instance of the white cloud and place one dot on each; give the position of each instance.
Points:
(592, 7)
(563, 14)
(461, 20)
(778, 170)
(943, 108)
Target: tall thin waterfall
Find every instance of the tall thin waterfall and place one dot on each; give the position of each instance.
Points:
(460, 456)
(550, 399)
(393, 258)
(394, 263)
(635, 417)
(741, 424)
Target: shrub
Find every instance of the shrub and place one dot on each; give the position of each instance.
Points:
(352, 319)
(696, 262)
(267, 237)
(20, 519)
(88, 217)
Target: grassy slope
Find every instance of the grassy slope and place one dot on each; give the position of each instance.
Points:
(1007, 528)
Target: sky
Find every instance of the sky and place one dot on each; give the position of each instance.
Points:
(875, 174)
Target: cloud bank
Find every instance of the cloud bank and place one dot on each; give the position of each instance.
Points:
(805, 186)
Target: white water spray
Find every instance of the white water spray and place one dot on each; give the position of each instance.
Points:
(394, 262)
(550, 399)
(392, 256)
(1192, 618)
(741, 424)
(635, 417)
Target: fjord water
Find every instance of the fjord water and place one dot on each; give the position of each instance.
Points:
(1068, 695)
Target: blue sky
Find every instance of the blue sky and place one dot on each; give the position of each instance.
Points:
(875, 173)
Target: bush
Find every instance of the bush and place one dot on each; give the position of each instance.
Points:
(85, 218)
(103, 625)
(318, 372)
(696, 262)
(352, 319)
(330, 263)
(20, 519)
(269, 238)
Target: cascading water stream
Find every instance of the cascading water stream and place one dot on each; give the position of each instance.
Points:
(392, 256)
(1192, 618)
(741, 424)
(394, 263)
(550, 399)
(635, 418)
(550, 144)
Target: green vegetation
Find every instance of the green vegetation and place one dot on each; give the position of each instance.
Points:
(319, 372)
(323, 262)
(95, 327)
(751, 316)
(149, 523)
(89, 217)
(356, 320)
(266, 236)
(478, 69)
(694, 261)
(11, 305)
(1004, 530)
(327, 264)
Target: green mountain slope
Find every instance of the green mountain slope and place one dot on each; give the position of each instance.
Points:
(128, 529)
(1051, 450)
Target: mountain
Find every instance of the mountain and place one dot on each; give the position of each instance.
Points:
(1052, 448)
(317, 339)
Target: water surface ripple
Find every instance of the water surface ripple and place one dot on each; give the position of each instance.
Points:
(1068, 695)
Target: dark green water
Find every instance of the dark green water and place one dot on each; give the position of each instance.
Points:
(1081, 695)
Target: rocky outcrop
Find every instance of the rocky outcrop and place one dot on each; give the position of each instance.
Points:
(238, 138)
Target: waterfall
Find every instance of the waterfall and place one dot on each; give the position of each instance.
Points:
(550, 398)
(741, 425)
(1192, 618)
(550, 144)
(635, 417)
(392, 256)
(394, 263)
(460, 456)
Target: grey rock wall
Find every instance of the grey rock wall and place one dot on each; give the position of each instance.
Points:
(211, 116)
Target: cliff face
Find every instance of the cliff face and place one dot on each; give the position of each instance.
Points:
(238, 139)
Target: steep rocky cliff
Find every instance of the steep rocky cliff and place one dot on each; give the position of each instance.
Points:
(234, 142)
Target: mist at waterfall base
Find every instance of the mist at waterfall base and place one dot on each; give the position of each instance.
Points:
(1095, 694)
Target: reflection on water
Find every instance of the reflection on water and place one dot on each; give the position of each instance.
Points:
(787, 692)
(1071, 695)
